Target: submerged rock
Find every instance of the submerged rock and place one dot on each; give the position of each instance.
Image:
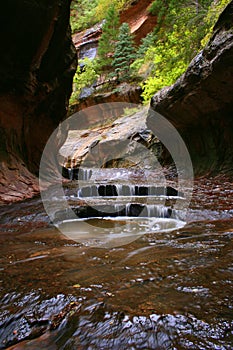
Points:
(200, 103)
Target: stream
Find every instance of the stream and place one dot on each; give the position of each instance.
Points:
(170, 287)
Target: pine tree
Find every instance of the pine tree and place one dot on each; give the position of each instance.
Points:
(109, 36)
(124, 53)
(146, 42)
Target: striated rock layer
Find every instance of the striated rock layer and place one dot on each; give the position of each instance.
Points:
(37, 63)
(200, 103)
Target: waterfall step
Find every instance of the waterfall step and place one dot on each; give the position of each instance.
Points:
(76, 173)
(128, 210)
(117, 190)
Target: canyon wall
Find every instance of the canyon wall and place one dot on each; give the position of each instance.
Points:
(37, 64)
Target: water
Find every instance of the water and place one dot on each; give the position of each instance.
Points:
(88, 50)
(169, 289)
(140, 205)
(122, 190)
(76, 174)
(114, 232)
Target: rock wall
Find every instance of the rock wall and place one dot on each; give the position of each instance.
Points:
(37, 63)
(200, 103)
(140, 20)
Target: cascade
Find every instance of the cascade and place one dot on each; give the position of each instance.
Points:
(122, 190)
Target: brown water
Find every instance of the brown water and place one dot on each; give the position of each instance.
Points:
(168, 290)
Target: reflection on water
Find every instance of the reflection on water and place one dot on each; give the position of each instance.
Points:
(165, 290)
(112, 232)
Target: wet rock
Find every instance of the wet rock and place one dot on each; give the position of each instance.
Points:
(30, 323)
(123, 93)
(37, 64)
(200, 103)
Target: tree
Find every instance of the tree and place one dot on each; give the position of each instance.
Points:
(124, 53)
(146, 42)
(108, 38)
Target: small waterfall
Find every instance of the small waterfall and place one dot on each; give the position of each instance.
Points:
(70, 173)
(120, 190)
(86, 174)
(125, 190)
(127, 209)
(118, 209)
(111, 209)
(158, 211)
(132, 190)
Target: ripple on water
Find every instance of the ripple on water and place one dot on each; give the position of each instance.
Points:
(101, 329)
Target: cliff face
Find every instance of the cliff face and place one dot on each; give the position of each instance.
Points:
(140, 20)
(37, 63)
(200, 103)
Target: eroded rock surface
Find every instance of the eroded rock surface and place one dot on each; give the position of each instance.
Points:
(37, 63)
(121, 142)
(200, 103)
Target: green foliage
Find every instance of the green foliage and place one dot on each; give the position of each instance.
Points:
(103, 6)
(213, 13)
(86, 13)
(181, 27)
(84, 77)
(131, 111)
(109, 37)
(124, 53)
(146, 42)
(82, 14)
(159, 8)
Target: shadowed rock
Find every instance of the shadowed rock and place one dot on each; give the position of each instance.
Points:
(37, 63)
